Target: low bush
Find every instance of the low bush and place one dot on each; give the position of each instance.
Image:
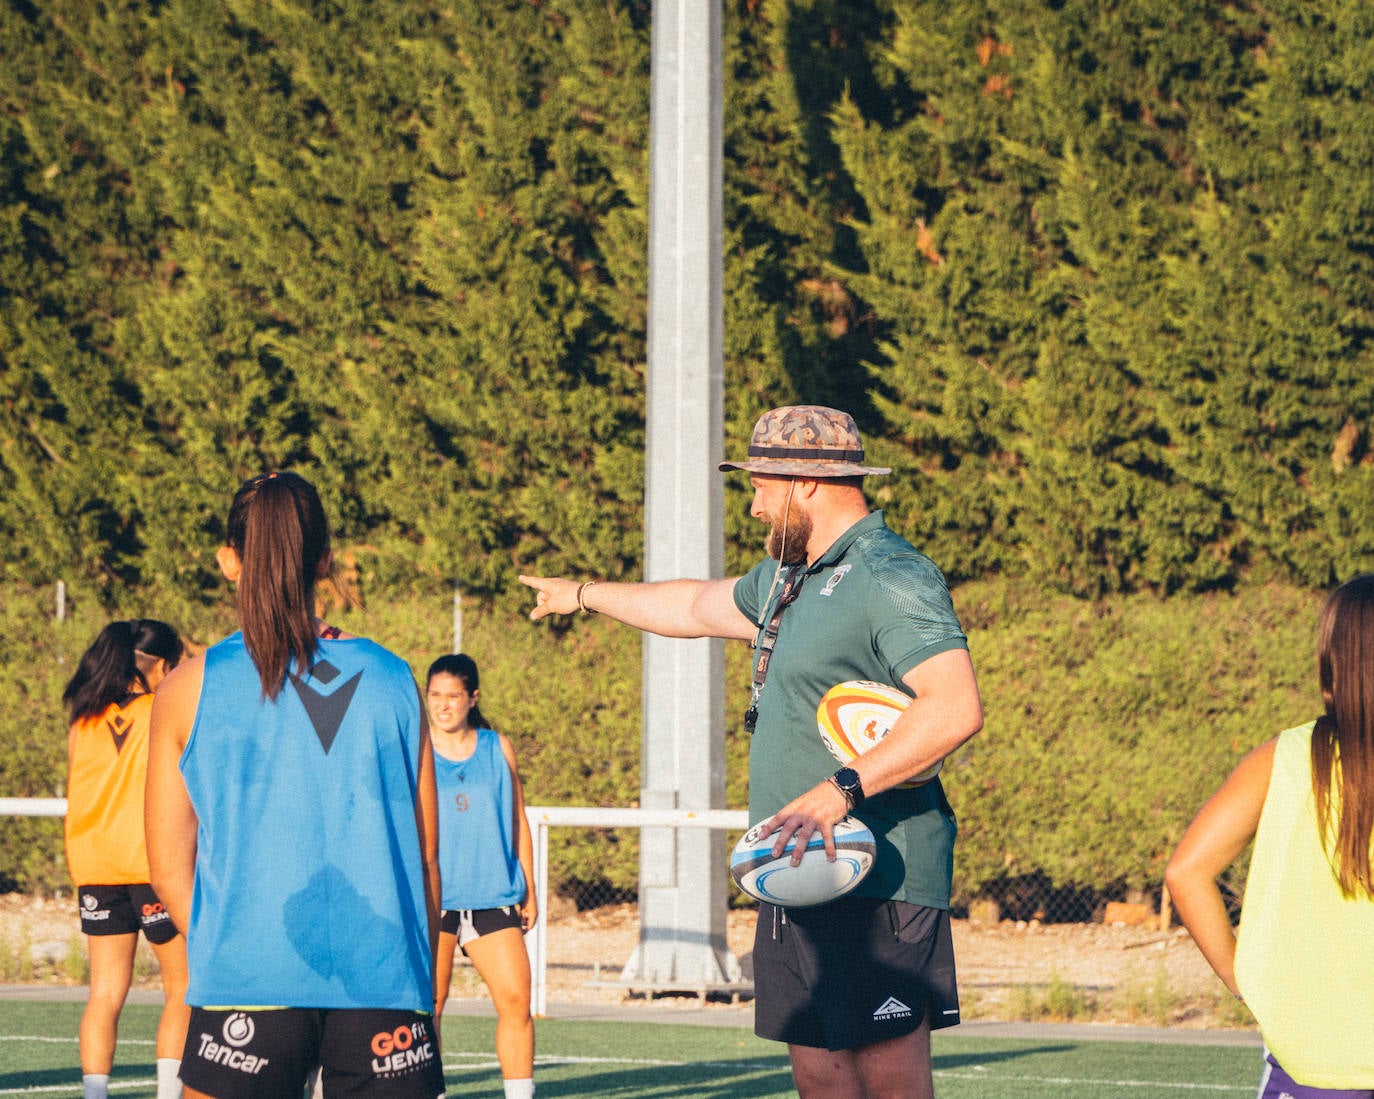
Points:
(1108, 723)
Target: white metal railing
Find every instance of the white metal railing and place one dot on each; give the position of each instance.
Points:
(541, 819)
(33, 807)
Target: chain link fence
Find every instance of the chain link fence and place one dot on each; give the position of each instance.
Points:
(586, 872)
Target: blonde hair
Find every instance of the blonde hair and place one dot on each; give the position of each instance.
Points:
(1343, 740)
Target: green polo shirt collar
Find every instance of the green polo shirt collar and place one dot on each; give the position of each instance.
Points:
(872, 521)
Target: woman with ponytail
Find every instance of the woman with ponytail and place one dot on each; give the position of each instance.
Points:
(292, 825)
(486, 862)
(1303, 959)
(109, 700)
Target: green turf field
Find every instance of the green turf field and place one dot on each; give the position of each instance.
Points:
(650, 1060)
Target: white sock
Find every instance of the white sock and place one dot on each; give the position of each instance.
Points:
(168, 1078)
(95, 1085)
(519, 1089)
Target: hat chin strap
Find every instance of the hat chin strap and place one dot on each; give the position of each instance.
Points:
(786, 515)
(782, 549)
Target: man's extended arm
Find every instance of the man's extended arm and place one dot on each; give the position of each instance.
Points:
(671, 608)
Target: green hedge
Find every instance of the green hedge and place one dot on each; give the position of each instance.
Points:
(1108, 722)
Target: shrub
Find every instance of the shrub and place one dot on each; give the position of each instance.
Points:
(1108, 722)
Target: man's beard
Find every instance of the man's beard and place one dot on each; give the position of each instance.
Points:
(791, 536)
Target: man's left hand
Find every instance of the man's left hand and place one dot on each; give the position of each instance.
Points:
(817, 810)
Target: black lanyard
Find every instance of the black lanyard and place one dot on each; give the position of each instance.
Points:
(791, 588)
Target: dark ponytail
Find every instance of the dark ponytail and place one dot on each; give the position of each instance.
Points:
(278, 529)
(155, 640)
(109, 670)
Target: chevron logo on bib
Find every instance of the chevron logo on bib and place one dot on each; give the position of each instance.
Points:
(119, 727)
(326, 710)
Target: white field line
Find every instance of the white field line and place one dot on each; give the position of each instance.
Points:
(982, 1075)
(75, 1089)
(454, 1061)
(476, 1061)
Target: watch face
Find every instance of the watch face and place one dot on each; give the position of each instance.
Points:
(847, 777)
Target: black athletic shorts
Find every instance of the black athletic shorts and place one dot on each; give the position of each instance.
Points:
(472, 923)
(124, 910)
(853, 972)
(268, 1053)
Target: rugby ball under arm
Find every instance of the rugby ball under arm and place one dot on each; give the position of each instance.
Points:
(855, 715)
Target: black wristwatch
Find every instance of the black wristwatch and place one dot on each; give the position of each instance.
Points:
(846, 781)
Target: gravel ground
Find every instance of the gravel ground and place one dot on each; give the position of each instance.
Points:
(1007, 970)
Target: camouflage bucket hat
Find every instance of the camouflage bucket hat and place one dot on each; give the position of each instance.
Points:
(806, 441)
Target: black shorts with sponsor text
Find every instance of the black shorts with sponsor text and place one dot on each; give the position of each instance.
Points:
(266, 1053)
(124, 910)
(853, 972)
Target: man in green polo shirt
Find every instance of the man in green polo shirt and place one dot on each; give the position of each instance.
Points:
(853, 987)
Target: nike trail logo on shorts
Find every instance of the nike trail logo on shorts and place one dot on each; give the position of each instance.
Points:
(892, 1008)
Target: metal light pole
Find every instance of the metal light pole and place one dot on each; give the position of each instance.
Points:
(682, 890)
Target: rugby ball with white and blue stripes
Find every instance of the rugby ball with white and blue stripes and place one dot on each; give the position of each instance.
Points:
(814, 880)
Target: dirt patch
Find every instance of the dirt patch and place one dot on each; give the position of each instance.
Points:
(1007, 970)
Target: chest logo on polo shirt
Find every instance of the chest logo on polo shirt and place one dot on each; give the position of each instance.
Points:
(119, 727)
(326, 709)
(835, 577)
